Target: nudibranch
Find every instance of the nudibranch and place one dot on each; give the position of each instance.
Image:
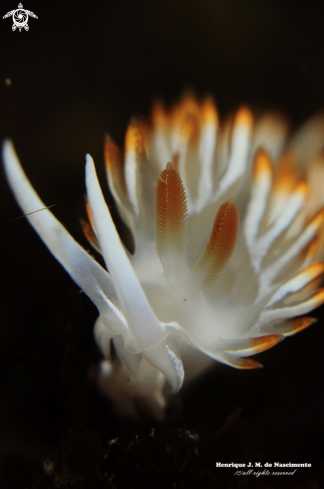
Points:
(227, 223)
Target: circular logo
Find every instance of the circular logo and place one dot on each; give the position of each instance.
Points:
(20, 18)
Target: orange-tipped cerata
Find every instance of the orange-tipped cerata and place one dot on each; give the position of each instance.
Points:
(286, 174)
(221, 243)
(90, 235)
(89, 214)
(209, 112)
(114, 164)
(171, 210)
(263, 343)
(257, 345)
(134, 138)
(244, 118)
(262, 166)
(310, 251)
(293, 326)
(242, 363)
(159, 116)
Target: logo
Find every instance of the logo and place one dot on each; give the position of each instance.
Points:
(20, 18)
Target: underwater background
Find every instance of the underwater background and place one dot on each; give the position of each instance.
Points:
(81, 71)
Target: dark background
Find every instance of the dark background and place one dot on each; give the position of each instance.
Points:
(82, 70)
